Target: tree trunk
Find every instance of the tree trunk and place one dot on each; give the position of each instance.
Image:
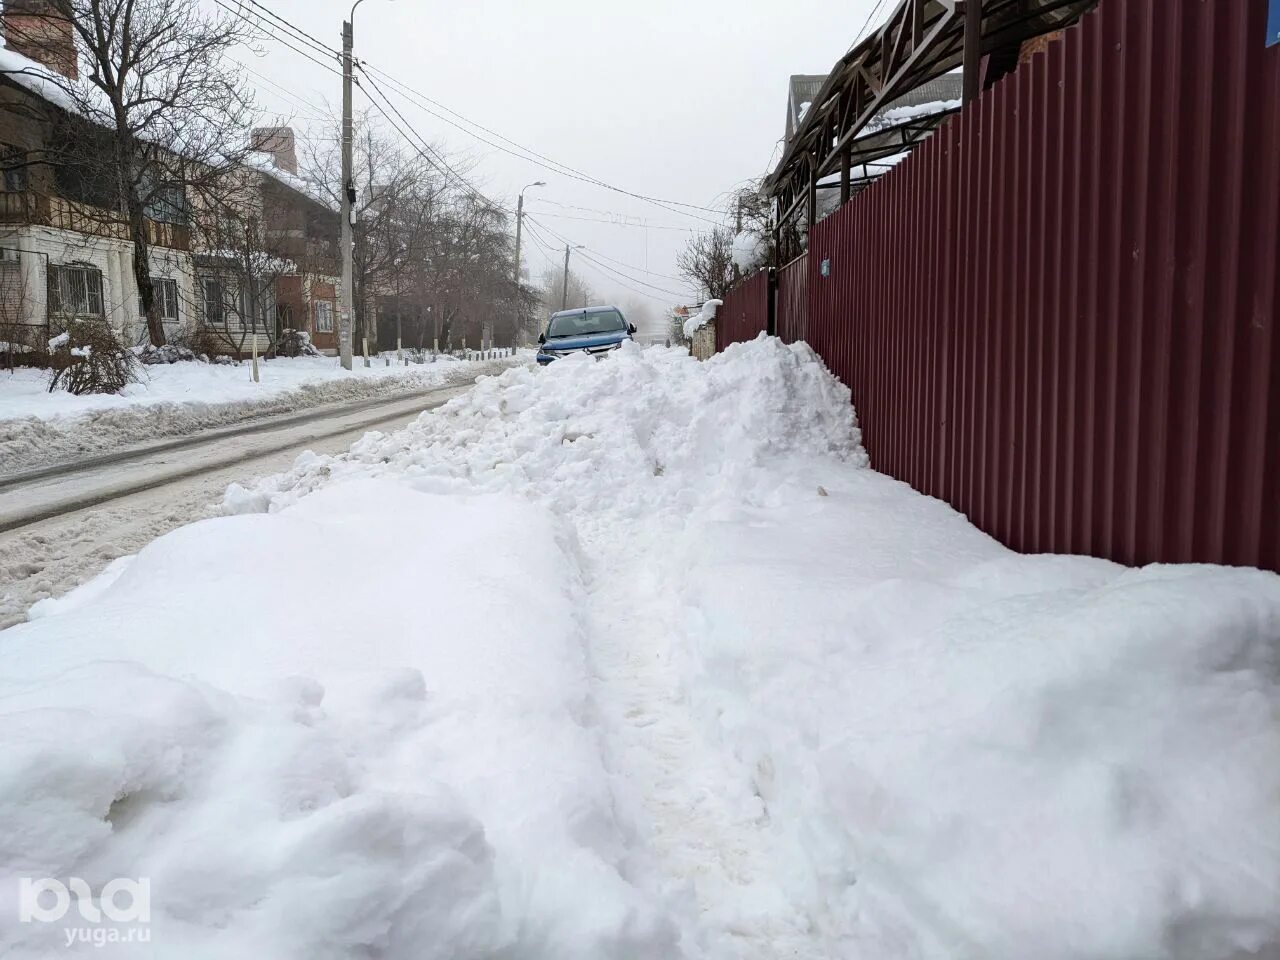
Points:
(142, 273)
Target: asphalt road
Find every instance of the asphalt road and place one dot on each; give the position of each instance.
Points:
(28, 498)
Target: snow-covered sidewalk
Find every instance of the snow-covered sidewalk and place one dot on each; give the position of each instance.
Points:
(38, 427)
(637, 659)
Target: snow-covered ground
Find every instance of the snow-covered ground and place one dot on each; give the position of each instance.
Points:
(52, 557)
(39, 427)
(638, 659)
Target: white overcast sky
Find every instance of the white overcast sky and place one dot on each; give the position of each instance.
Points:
(680, 99)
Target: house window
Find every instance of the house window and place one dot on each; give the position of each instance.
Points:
(13, 161)
(221, 300)
(324, 316)
(168, 204)
(75, 291)
(166, 296)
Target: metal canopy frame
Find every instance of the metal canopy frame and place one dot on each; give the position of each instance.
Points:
(921, 40)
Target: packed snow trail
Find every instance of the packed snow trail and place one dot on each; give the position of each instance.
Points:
(706, 827)
(647, 664)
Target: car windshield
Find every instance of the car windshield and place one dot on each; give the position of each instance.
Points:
(583, 324)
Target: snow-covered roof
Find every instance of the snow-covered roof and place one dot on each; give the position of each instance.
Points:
(35, 77)
(51, 87)
(909, 112)
(265, 162)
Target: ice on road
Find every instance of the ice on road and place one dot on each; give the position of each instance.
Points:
(639, 659)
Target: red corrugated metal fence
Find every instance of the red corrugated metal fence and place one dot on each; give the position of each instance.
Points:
(744, 315)
(793, 300)
(1059, 313)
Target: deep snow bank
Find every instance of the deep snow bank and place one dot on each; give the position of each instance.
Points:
(648, 431)
(361, 727)
(918, 744)
(966, 752)
(983, 754)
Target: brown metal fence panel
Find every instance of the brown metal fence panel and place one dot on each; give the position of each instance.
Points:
(1059, 314)
(744, 315)
(793, 300)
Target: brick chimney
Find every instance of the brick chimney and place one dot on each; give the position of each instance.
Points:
(280, 143)
(36, 30)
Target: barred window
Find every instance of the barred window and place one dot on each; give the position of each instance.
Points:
(166, 295)
(75, 291)
(221, 300)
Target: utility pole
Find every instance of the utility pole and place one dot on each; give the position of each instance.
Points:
(346, 298)
(519, 223)
(564, 289)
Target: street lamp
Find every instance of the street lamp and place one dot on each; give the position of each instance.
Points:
(346, 302)
(519, 223)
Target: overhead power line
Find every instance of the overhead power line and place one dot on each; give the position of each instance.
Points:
(616, 223)
(304, 44)
(298, 35)
(429, 153)
(528, 154)
(619, 275)
(263, 27)
(292, 27)
(553, 259)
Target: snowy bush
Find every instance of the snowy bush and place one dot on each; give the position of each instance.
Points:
(89, 358)
(152, 355)
(296, 343)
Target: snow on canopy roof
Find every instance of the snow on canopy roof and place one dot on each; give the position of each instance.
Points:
(34, 77)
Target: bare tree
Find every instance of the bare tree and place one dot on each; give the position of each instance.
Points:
(157, 109)
(425, 241)
(241, 265)
(707, 261)
(753, 216)
(579, 293)
(399, 200)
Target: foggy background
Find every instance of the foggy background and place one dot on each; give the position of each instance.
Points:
(678, 100)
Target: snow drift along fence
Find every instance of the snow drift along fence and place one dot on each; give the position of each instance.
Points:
(744, 315)
(1059, 314)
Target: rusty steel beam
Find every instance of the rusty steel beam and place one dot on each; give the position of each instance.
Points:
(920, 40)
(972, 50)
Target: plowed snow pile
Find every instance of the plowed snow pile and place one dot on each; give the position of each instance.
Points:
(637, 659)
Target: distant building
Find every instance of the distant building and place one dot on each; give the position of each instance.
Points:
(66, 255)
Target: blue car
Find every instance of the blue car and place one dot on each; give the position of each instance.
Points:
(592, 330)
